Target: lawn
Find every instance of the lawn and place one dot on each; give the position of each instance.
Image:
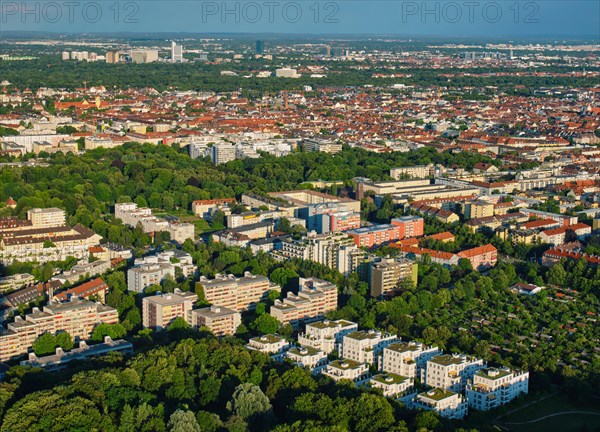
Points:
(560, 423)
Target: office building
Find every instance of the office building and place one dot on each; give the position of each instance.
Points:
(451, 371)
(493, 387)
(260, 47)
(326, 335)
(315, 298)
(176, 53)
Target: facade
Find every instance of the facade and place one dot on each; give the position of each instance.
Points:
(408, 359)
(152, 270)
(77, 317)
(374, 235)
(451, 372)
(307, 357)
(365, 346)
(446, 403)
(387, 274)
(239, 294)
(222, 153)
(478, 209)
(315, 298)
(160, 310)
(392, 385)
(494, 387)
(219, 320)
(46, 217)
(96, 288)
(322, 145)
(326, 335)
(205, 208)
(482, 257)
(416, 172)
(176, 53)
(347, 369)
(409, 226)
(271, 344)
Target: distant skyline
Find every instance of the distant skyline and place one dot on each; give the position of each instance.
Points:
(491, 19)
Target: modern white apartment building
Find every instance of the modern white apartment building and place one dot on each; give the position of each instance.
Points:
(494, 387)
(154, 269)
(271, 344)
(447, 404)
(160, 310)
(308, 357)
(326, 335)
(322, 145)
(392, 385)
(237, 293)
(131, 215)
(366, 346)
(220, 320)
(347, 369)
(46, 217)
(315, 298)
(451, 371)
(408, 358)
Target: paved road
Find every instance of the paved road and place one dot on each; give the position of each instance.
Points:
(552, 415)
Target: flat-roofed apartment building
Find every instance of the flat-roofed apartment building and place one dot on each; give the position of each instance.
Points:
(272, 344)
(494, 387)
(366, 346)
(416, 172)
(46, 217)
(220, 320)
(392, 385)
(446, 403)
(239, 294)
(408, 359)
(77, 317)
(387, 274)
(451, 371)
(326, 335)
(131, 215)
(315, 298)
(347, 369)
(414, 190)
(304, 198)
(308, 357)
(160, 310)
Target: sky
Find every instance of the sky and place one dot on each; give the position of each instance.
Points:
(461, 18)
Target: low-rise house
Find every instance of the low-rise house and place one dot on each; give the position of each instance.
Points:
(526, 289)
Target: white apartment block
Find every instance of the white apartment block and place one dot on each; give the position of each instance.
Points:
(392, 385)
(271, 344)
(308, 357)
(452, 371)
(131, 215)
(446, 403)
(366, 346)
(46, 217)
(408, 358)
(154, 269)
(326, 335)
(160, 310)
(222, 153)
(237, 293)
(315, 298)
(494, 387)
(347, 369)
(221, 321)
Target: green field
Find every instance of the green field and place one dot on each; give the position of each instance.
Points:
(566, 416)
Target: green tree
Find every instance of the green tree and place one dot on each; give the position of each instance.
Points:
(249, 402)
(183, 421)
(65, 341)
(265, 324)
(44, 345)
